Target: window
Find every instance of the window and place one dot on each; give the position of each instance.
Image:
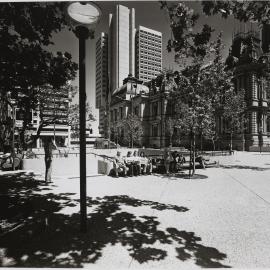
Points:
(136, 110)
(154, 109)
(115, 114)
(121, 113)
(155, 130)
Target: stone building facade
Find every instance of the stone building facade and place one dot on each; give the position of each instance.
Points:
(150, 103)
(249, 59)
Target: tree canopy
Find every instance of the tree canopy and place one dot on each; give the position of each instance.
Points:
(204, 87)
(28, 68)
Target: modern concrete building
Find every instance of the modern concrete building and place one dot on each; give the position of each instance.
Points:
(121, 45)
(101, 77)
(60, 129)
(129, 52)
(148, 53)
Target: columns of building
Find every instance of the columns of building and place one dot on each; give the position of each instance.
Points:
(254, 89)
(253, 122)
(38, 143)
(163, 107)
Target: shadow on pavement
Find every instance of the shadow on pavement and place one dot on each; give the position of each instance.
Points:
(244, 167)
(49, 238)
(177, 176)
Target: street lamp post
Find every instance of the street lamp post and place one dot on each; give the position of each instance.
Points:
(84, 16)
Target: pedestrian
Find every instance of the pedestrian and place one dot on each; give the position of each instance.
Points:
(49, 146)
(167, 160)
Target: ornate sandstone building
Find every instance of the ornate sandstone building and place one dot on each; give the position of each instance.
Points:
(250, 58)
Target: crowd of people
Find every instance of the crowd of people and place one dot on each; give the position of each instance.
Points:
(132, 164)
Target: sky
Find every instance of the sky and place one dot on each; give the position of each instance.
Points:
(148, 14)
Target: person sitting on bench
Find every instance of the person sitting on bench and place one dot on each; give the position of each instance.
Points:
(119, 164)
(137, 163)
(129, 163)
(146, 164)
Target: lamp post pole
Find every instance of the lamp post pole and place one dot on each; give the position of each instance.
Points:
(82, 33)
(83, 15)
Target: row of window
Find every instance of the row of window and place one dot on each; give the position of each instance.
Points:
(150, 68)
(115, 113)
(148, 34)
(158, 50)
(143, 52)
(156, 60)
(153, 45)
(149, 73)
(153, 64)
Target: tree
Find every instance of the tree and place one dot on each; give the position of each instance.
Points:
(234, 109)
(244, 11)
(184, 41)
(171, 124)
(133, 131)
(203, 81)
(74, 120)
(28, 70)
(210, 131)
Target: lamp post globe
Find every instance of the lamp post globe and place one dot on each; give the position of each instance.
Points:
(84, 13)
(83, 16)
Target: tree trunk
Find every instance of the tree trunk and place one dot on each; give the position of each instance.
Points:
(231, 143)
(243, 141)
(201, 142)
(190, 155)
(194, 150)
(214, 147)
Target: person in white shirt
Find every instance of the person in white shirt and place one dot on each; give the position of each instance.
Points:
(119, 164)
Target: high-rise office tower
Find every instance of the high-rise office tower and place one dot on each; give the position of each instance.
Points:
(121, 45)
(148, 53)
(101, 77)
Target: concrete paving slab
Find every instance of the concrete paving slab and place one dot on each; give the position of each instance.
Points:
(220, 218)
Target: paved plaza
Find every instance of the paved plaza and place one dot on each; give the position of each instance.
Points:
(219, 218)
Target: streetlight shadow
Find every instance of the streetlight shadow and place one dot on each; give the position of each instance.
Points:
(48, 238)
